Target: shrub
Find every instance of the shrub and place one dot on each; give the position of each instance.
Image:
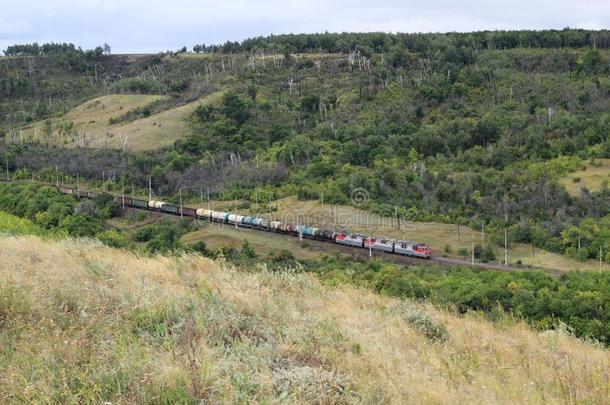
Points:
(112, 238)
(420, 321)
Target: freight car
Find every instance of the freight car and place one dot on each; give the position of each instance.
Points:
(406, 248)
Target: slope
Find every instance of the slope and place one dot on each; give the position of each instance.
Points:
(102, 122)
(82, 322)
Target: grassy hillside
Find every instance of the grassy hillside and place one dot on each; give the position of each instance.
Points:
(82, 322)
(119, 121)
(591, 177)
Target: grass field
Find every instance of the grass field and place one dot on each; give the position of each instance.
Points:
(83, 323)
(267, 243)
(437, 235)
(591, 177)
(91, 121)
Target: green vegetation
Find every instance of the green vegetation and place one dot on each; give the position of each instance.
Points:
(580, 300)
(52, 210)
(15, 225)
(454, 128)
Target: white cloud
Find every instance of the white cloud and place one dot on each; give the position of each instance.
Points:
(14, 29)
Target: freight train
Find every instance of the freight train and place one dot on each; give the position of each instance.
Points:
(400, 247)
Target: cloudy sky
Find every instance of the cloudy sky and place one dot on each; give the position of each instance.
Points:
(158, 25)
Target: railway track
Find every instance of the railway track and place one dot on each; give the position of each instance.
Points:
(360, 254)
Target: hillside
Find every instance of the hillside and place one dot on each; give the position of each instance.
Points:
(494, 130)
(83, 322)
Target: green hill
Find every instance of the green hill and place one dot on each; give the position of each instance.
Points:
(480, 129)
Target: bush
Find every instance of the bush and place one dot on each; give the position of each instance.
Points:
(112, 238)
(200, 247)
(80, 225)
(422, 322)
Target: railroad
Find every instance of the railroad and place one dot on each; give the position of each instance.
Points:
(362, 246)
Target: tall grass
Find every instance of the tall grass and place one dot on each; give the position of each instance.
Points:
(83, 323)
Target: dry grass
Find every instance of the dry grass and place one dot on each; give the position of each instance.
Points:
(264, 243)
(158, 130)
(591, 178)
(80, 322)
(92, 117)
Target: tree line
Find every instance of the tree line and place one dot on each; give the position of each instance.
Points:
(380, 42)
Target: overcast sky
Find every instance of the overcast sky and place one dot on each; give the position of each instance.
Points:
(158, 25)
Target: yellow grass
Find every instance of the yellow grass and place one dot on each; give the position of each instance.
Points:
(91, 120)
(80, 322)
(263, 243)
(153, 132)
(591, 178)
(92, 117)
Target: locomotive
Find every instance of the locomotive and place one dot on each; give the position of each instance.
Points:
(400, 247)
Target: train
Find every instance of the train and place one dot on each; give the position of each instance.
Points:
(399, 247)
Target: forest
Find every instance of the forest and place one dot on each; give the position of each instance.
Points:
(476, 129)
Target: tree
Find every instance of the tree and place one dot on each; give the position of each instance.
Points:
(252, 91)
(247, 252)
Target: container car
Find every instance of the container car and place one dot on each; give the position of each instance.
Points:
(204, 213)
(189, 212)
(327, 235)
(219, 216)
(139, 203)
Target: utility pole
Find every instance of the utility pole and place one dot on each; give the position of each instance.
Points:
(180, 191)
(235, 213)
(472, 250)
(149, 188)
(578, 243)
(533, 250)
(505, 246)
(77, 185)
(396, 217)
